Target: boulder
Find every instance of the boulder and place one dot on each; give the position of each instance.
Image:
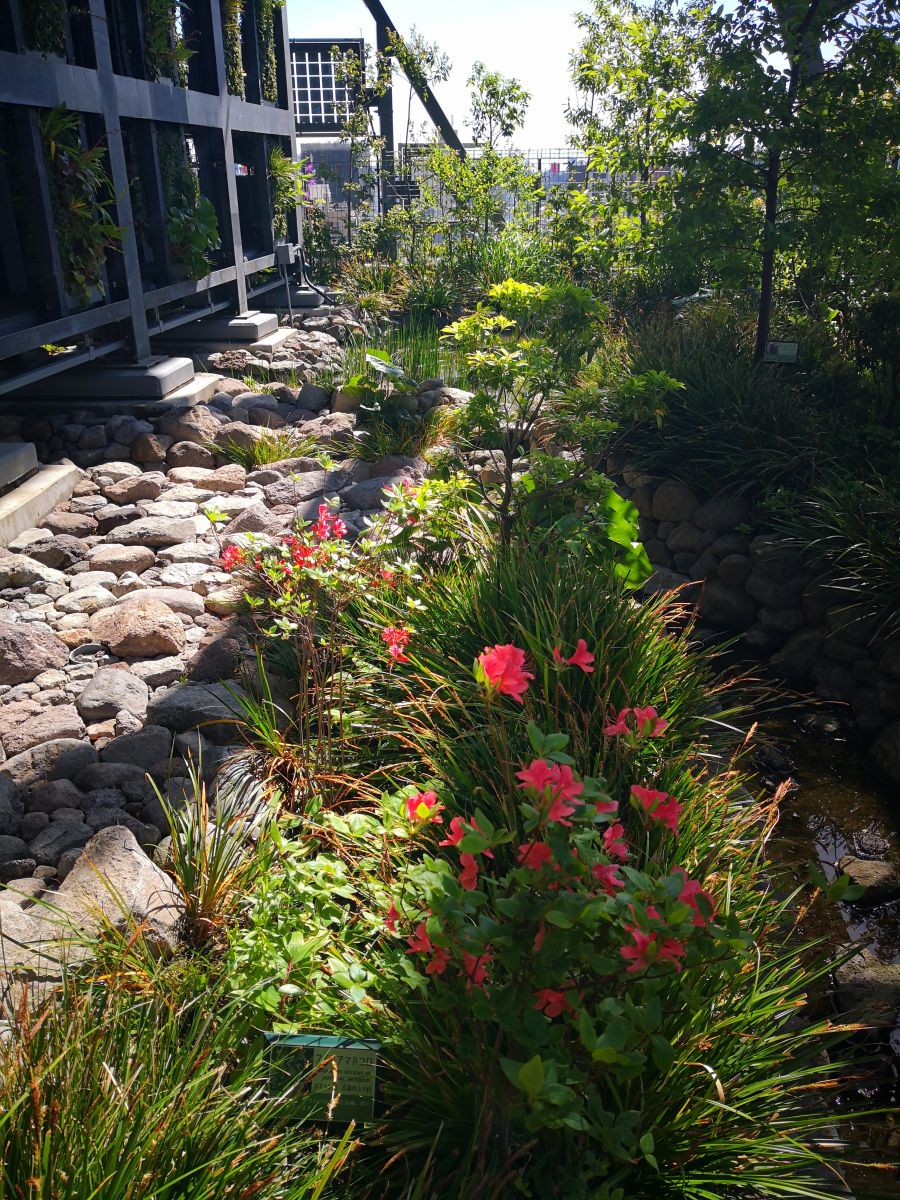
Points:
(56, 838)
(369, 494)
(151, 531)
(294, 489)
(734, 570)
(722, 513)
(119, 559)
(333, 429)
(150, 447)
(179, 600)
(19, 570)
(189, 454)
(881, 879)
(139, 628)
(239, 434)
(27, 650)
(192, 705)
(771, 594)
(113, 881)
(73, 524)
(90, 599)
(111, 690)
(58, 721)
(868, 987)
(217, 658)
(726, 607)
(114, 472)
(313, 397)
(197, 424)
(674, 501)
(796, 659)
(132, 491)
(147, 746)
(158, 672)
(61, 759)
(772, 557)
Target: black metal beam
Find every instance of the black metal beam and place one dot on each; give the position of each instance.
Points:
(386, 30)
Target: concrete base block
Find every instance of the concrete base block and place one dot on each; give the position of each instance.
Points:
(151, 380)
(301, 297)
(267, 346)
(17, 459)
(31, 501)
(200, 389)
(247, 328)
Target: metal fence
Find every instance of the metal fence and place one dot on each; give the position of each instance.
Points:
(348, 189)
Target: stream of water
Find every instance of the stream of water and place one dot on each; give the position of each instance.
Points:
(837, 807)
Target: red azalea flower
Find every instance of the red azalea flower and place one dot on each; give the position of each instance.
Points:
(552, 1002)
(468, 876)
(582, 657)
(232, 556)
(538, 776)
(475, 967)
(419, 942)
(659, 805)
(649, 724)
(613, 844)
(557, 655)
(620, 725)
(397, 639)
(423, 807)
(646, 947)
(607, 876)
(438, 964)
(539, 937)
(502, 668)
(390, 921)
(670, 950)
(553, 781)
(534, 855)
(690, 890)
(458, 831)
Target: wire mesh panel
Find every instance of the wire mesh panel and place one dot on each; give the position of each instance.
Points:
(321, 100)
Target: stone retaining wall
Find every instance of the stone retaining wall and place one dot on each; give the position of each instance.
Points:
(759, 588)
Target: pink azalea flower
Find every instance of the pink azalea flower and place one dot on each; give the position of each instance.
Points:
(649, 724)
(422, 807)
(648, 946)
(690, 890)
(557, 655)
(539, 937)
(397, 639)
(232, 556)
(458, 831)
(620, 725)
(390, 921)
(502, 668)
(552, 1002)
(659, 805)
(475, 967)
(553, 781)
(534, 855)
(538, 776)
(438, 964)
(613, 844)
(607, 876)
(419, 942)
(670, 950)
(468, 876)
(582, 657)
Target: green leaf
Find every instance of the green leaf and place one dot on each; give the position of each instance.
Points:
(530, 1077)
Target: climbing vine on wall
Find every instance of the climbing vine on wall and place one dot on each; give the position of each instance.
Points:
(166, 54)
(191, 225)
(82, 198)
(232, 16)
(267, 23)
(44, 26)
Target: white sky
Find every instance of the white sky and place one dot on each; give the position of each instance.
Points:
(528, 39)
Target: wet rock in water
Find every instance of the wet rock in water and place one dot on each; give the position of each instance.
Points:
(26, 651)
(880, 878)
(868, 987)
(821, 723)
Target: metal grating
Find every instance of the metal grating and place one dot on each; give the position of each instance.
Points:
(320, 101)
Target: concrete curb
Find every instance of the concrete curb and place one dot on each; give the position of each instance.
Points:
(25, 506)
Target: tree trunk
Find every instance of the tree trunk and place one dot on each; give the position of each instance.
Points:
(767, 274)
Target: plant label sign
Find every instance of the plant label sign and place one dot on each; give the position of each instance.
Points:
(782, 352)
(339, 1075)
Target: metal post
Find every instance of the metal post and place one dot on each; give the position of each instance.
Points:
(240, 283)
(119, 174)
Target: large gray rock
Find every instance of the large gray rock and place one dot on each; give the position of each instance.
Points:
(674, 501)
(62, 759)
(52, 723)
(333, 429)
(771, 556)
(726, 607)
(197, 424)
(239, 435)
(111, 690)
(113, 881)
(119, 559)
(722, 513)
(869, 987)
(26, 651)
(771, 594)
(294, 489)
(151, 531)
(796, 659)
(880, 878)
(192, 705)
(369, 494)
(18, 570)
(144, 748)
(132, 491)
(57, 837)
(141, 628)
